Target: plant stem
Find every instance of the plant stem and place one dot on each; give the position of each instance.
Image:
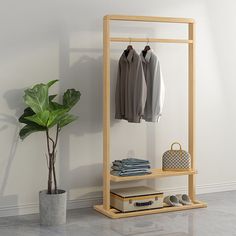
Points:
(50, 176)
(54, 159)
(57, 134)
(48, 146)
(54, 177)
(49, 164)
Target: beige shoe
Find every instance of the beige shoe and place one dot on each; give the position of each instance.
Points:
(184, 199)
(172, 200)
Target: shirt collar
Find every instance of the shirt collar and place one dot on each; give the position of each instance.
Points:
(130, 55)
(147, 56)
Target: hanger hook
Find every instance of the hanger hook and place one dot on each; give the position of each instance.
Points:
(147, 41)
(129, 40)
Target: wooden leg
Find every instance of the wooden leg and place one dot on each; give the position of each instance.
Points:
(106, 114)
(192, 187)
(191, 108)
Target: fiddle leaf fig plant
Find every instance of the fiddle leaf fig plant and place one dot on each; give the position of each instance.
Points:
(43, 114)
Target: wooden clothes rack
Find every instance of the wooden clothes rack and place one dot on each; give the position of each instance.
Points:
(156, 173)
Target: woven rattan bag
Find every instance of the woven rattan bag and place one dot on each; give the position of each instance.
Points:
(176, 160)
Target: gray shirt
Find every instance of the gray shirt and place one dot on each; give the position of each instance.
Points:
(155, 87)
(130, 88)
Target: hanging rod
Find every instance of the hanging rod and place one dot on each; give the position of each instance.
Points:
(149, 19)
(150, 40)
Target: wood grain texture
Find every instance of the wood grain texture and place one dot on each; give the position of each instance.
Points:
(150, 40)
(191, 109)
(106, 113)
(116, 214)
(156, 173)
(150, 19)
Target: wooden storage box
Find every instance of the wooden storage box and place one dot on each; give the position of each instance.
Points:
(136, 199)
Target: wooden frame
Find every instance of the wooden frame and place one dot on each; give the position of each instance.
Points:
(156, 173)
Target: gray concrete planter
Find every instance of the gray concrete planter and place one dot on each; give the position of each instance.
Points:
(52, 208)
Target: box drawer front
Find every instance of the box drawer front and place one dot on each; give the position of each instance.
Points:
(137, 203)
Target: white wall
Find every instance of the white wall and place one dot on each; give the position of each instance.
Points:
(45, 40)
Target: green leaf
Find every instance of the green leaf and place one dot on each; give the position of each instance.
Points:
(50, 83)
(40, 118)
(27, 112)
(56, 106)
(37, 98)
(70, 98)
(66, 119)
(55, 116)
(29, 129)
(51, 97)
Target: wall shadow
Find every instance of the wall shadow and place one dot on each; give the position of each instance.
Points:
(14, 102)
(85, 74)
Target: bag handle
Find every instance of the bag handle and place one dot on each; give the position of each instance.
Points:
(141, 204)
(180, 148)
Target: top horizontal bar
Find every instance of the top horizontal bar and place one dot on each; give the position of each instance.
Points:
(149, 19)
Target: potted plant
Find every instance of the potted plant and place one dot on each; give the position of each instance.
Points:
(45, 115)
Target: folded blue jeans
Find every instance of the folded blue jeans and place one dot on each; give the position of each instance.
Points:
(131, 173)
(120, 166)
(132, 160)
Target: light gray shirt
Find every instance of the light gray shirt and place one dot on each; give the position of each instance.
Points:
(155, 87)
(131, 88)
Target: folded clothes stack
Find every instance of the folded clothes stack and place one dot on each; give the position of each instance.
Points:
(130, 167)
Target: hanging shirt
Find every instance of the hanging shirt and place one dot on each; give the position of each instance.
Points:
(155, 87)
(131, 88)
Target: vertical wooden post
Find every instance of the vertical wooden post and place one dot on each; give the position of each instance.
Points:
(106, 113)
(191, 109)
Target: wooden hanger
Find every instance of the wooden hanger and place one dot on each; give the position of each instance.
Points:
(129, 47)
(147, 47)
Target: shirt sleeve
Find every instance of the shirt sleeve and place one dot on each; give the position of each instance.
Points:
(141, 91)
(158, 91)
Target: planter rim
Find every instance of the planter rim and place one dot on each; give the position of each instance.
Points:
(59, 192)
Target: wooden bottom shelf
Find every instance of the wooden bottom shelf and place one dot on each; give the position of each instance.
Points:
(114, 214)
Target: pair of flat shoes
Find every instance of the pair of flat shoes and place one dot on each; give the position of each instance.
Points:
(177, 200)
